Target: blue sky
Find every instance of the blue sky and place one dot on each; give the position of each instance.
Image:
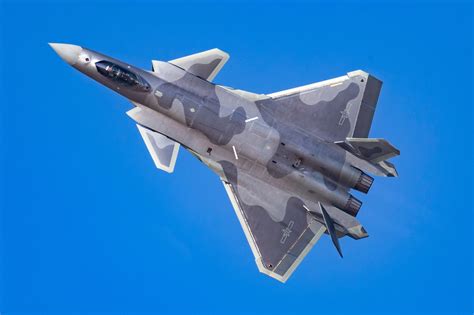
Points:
(89, 225)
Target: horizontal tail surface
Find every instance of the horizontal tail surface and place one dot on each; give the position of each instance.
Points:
(373, 150)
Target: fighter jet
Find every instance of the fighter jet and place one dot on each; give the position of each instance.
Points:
(288, 160)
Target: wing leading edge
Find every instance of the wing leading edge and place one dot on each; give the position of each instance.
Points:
(278, 247)
(277, 225)
(334, 109)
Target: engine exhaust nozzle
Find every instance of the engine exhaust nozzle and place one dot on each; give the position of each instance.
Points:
(352, 206)
(364, 183)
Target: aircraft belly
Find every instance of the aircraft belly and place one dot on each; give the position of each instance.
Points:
(287, 159)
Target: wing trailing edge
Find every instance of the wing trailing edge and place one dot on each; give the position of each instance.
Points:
(333, 109)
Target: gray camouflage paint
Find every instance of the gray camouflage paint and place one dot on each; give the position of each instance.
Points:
(293, 151)
(164, 152)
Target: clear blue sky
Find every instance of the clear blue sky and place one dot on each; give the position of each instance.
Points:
(89, 225)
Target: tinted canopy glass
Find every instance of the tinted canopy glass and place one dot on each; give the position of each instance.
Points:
(121, 75)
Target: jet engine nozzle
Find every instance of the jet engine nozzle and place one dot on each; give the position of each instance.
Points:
(364, 183)
(352, 206)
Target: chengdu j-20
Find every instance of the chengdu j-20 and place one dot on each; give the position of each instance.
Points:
(288, 160)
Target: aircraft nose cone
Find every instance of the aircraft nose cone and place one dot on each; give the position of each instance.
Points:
(67, 52)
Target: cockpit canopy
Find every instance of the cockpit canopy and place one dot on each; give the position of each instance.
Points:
(122, 76)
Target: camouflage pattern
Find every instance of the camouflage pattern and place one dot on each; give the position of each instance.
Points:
(288, 160)
(163, 150)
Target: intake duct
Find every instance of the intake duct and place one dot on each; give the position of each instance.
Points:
(364, 183)
(352, 206)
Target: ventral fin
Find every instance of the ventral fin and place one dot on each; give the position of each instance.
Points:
(205, 65)
(331, 229)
